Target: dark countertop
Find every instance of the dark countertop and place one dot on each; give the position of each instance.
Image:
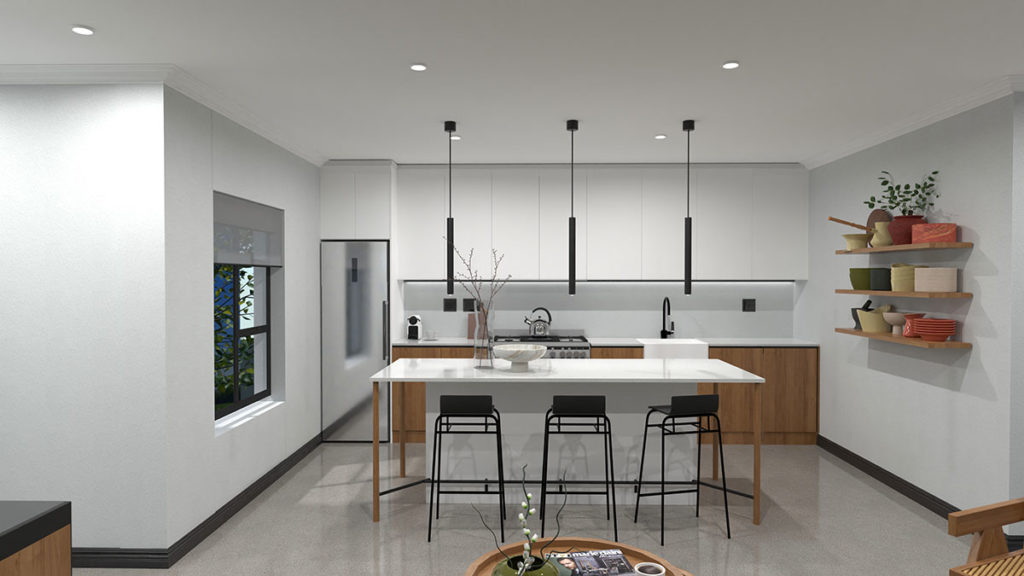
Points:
(25, 522)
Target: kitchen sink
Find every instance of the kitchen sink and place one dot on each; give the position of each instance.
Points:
(674, 348)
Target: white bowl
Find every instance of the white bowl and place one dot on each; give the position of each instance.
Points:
(519, 355)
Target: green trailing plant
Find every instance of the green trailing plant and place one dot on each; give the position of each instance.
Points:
(905, 199)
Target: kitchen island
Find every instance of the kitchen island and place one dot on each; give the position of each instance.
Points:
(630, 385)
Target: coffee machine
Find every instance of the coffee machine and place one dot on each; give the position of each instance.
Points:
(414, 331)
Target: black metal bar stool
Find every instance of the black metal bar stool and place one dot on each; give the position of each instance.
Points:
(689, 412)
(465, 415)
(580, 415)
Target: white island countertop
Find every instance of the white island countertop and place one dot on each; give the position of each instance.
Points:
(598, 342)
(632, 371)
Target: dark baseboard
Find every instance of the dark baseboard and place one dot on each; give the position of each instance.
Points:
(165, 558)
(926, 499)
(915, 493)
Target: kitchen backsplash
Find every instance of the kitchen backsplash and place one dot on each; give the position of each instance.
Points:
(620, 309)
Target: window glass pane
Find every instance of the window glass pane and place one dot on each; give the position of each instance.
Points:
(252, 296)
(252, 365)
(223, 335)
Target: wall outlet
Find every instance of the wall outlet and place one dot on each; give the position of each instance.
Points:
(749, 305)
(451, 305)
(468, 305)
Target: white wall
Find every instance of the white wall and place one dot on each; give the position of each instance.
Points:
(620, 309)
(1017, 314)
(207, 152)
(82, 317)
(938, 418)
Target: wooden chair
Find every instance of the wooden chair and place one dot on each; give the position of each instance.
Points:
(989, 555)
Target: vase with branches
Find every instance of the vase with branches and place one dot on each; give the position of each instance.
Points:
(483, 290)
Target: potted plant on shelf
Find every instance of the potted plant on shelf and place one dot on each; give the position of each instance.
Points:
(907, 202)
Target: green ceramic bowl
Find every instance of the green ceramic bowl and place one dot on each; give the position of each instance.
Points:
(860, 278)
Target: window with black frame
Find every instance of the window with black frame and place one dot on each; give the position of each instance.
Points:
(247, 242)
(241, 321)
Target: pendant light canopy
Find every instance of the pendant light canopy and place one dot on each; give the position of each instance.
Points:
(688, 126)
(572, 126)
(449, 128)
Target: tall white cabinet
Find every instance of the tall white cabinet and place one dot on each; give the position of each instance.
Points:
(356, 199)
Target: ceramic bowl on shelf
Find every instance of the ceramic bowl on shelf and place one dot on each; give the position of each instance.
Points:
(860, 278)
(520, 355)
(902, 277)
(872, 321)
(896, 320)
(857, 241)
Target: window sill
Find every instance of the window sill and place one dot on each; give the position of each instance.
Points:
(236, 419)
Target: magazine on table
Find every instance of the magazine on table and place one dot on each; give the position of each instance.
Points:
(595, 562)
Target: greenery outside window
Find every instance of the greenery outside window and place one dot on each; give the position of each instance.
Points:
(241, 326)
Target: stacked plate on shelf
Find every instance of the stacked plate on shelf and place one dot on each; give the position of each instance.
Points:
(933, 329)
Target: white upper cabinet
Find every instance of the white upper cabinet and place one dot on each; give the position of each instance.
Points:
(780, 223)
(614, 223)
(471, 208)
(355, 200)
(722, 214)
(422, 210)
(750, 221)
(515, 221)
(553, 219)
(664, 208)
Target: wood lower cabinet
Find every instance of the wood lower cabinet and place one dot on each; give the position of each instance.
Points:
(415, 409)
(790, 395)
(624, 352)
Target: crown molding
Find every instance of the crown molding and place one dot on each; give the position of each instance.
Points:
(989, 92)
(206, 95)
(166, 74)
(357, 163)
(85, 73)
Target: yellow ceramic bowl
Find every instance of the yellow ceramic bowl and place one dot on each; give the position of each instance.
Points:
(873, 321)
(856, 241)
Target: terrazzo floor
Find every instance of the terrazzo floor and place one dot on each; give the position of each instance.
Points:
(820, 517)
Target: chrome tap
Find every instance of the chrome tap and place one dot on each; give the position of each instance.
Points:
(666, 311)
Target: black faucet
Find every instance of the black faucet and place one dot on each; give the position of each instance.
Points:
(666, 309)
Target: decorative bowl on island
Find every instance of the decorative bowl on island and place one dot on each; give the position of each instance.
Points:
(520, 355)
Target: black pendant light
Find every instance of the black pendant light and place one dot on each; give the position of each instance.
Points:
(449, 128)
(688, 126)
(572, 126)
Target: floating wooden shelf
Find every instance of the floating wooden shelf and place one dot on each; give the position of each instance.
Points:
(917, 342)
(892, 294)
(909, 247)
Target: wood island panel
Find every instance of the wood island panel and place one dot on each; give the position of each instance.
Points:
(50, 556)
(617, 352)
(790, 395)
(415, 409)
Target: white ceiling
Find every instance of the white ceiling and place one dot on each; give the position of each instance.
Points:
(331, 78)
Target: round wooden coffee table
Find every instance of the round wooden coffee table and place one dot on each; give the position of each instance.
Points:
(485, 564)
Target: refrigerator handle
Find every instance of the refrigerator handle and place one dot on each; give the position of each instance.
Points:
(385, 328)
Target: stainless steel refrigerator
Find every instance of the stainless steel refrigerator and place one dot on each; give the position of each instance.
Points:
(354, 338)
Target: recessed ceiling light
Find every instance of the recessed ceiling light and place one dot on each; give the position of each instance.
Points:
(83, 30)
(418, 67)
(455, 137)
(660, 136)
(731, 65)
